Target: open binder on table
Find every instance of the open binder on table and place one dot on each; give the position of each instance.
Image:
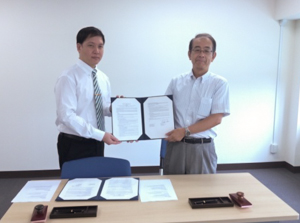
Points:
(99, 189)
(142, 118)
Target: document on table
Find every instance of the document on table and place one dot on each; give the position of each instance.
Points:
(157, 190)
(81, 189)
(120, 188)
(37, 190)
(142, 118)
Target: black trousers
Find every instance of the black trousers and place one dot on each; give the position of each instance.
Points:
(71, 147)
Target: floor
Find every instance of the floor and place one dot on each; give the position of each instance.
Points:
(280, 181)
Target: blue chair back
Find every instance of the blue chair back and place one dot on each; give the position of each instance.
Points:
(95, 167)
(163, 148)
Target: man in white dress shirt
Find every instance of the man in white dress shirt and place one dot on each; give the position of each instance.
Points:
(201, 100)
(76, 121)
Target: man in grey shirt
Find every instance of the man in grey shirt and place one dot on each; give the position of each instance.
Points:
(201, 100)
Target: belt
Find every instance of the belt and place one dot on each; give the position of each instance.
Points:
(74, 137)
(196, 140)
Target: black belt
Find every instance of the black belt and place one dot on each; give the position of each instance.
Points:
(196, 140)
(74, 137)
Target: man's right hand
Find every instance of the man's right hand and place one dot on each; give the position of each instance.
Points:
(109, 139)
(175, 135)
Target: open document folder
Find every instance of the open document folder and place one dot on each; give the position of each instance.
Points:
(81, 189)
(142, 118)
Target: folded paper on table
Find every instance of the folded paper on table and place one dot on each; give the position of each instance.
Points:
(37, 191)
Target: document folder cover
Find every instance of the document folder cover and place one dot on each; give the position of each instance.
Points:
(100, 189)
(142, 118)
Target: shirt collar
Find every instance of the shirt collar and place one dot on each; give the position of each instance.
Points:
(85, 67)
(203, 78)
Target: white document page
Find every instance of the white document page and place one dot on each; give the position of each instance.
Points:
(157, 190)
(127, 120)
(37, 190)
(159, 116)
(81, 189)
(120, 188)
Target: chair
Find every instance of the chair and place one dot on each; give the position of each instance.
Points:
(94, 167)
(163, 148)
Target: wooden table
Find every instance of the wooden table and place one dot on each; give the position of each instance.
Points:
(266, 205)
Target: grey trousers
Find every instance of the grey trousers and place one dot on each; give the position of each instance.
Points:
(186, 158)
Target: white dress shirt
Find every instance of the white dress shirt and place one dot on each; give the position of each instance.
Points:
(74, 92)
(197, 98)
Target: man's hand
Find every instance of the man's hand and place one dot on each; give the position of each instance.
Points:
(175, 135)
(109, 139)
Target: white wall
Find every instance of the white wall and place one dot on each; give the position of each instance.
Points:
(288, 104)
(286, 109)
(297, 92)
(146, 45)
(287, 9)
(289, 130)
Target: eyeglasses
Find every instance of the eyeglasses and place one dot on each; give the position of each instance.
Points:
(205, 52)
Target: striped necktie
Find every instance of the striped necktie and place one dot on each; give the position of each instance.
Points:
(98, 102)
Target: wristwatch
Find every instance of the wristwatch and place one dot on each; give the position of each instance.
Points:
(187, 132)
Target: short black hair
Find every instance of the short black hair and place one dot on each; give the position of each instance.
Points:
(204, 35)
(87, 32)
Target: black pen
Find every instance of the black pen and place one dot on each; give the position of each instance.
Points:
(210, 201)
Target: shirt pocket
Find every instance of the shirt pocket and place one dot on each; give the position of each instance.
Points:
(204, 108)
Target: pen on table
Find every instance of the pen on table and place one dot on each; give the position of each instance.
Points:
(210, 201)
